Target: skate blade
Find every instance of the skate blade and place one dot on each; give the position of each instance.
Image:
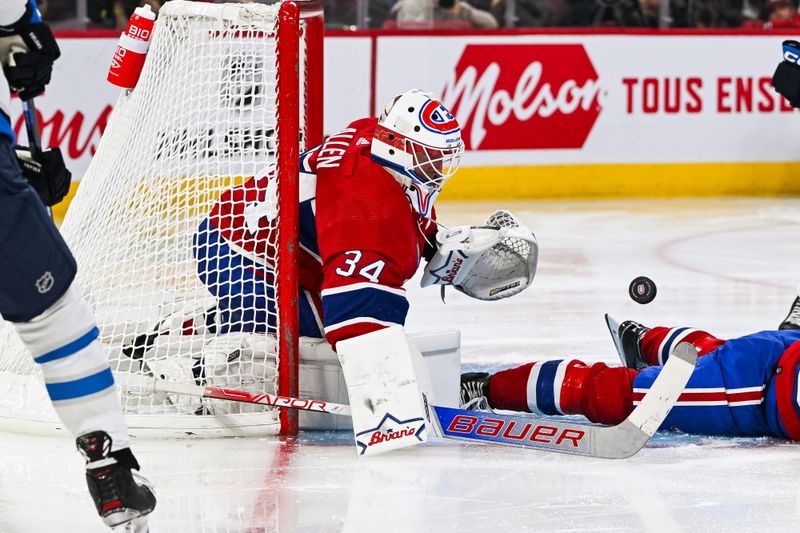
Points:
(613, 329)
(137, 525)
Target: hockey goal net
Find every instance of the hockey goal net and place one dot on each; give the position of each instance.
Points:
(229, 93)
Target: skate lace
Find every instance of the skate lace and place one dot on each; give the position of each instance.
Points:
(106, 487)
(478, 404)
(473, 390)
(794, 313)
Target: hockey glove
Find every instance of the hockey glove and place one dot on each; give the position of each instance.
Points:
(29, 50)
(489, 262)
(786, 79)
(47, 173)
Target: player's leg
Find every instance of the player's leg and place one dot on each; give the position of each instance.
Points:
(703, 410)
(707, 406)
(640, 346)
(57, 325)
(601, 393)
(245, 313)
(658, 342)
(732, 390)
(608, 394)
(246, 300)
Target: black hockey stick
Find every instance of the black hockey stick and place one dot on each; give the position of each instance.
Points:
(34, 135)
(31, 121)
(32, 127)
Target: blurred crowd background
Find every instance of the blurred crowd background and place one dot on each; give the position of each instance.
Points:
(481, 14)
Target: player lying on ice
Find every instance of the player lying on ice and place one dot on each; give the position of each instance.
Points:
(740, 387)
(366, 221)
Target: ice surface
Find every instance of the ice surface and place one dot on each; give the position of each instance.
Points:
(726, 265)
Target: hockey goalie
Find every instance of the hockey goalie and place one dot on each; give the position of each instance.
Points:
(366, 222)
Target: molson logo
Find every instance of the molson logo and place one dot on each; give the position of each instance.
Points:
(524, 96)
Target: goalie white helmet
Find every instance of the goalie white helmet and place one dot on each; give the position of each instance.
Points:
(419, 142)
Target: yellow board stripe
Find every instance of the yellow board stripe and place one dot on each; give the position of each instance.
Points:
(608, 181)
(624, 180)
(59, 210)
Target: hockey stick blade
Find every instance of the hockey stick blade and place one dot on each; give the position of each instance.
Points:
(260, 398)
(615, 442)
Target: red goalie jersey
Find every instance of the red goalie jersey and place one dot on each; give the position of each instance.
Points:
(360, 242)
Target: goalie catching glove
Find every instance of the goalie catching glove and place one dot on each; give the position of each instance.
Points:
(489, 262)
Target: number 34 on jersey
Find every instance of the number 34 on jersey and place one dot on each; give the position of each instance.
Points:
(354, 266)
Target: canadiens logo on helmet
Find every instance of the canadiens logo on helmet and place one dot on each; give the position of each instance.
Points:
(436, 118)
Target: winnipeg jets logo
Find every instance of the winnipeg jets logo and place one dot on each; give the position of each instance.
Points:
(436, 118)
(390, 429)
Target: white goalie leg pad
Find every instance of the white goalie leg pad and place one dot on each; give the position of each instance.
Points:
(321, 375)
(387, 405)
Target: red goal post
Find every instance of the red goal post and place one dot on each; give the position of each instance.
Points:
(289, 55)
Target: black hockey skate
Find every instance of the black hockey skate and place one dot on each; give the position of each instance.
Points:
(792, 320)
(628, 341)
(475, 391)
(120, 495)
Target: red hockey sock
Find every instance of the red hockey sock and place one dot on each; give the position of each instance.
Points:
(658, 342)
(600, 393)
(508, 389)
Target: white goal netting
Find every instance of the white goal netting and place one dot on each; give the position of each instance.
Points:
(188, 157)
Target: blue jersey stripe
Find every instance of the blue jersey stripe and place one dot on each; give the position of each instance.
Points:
(6, 129)
(304, 159)
(70, 348)
(394, 166)
(367, 302)
(69, 390)
(35, 17)
(667, 349)
(545, 397)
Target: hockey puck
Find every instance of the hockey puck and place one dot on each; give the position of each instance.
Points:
(642, 290)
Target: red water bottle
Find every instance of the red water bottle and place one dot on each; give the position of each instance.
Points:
(126, 66)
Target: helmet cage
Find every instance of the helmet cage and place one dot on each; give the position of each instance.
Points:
(433, 166)
(428, 166)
